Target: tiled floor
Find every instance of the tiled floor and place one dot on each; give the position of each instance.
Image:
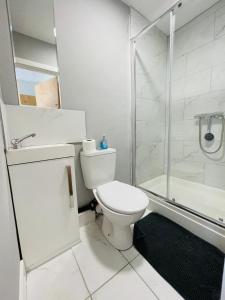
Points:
(95, 270)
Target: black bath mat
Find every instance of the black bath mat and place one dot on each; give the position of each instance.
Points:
(191, 265)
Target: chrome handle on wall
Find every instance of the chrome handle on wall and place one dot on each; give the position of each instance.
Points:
(70, 184)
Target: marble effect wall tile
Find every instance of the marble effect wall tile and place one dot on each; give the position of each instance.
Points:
(220, 23)
(192, 171)
(178, 89)
(150, 161)
(151, 84)
(180, 65)
(198, 83)
(194, 35)
(214, 175)
(155, 42)
(193, 153)
(206, 103)
(218, 78)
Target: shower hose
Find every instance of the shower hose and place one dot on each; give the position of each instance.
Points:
(221, 137)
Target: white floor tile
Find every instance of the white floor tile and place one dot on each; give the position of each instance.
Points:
(97, 259)
(86, 217)
(59, 279)
(156, 283)
(126, 285)
(130, 254)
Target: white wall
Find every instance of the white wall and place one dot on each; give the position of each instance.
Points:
(7, 74)
(93, 51)
(35, 50)
(9, 254)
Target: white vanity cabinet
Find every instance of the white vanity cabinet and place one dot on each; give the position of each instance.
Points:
(44, 194)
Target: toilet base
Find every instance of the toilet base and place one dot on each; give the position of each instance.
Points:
(116, 226)
(120, 236)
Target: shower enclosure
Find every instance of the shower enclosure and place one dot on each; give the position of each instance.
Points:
(178, 77)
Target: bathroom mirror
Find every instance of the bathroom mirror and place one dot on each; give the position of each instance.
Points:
(35, 52)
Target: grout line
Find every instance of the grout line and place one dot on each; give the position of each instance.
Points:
(134, 258)
(90, 294)
(81, 274)
(108, 280)
(145, 282)
(127, 258)
(214, 25)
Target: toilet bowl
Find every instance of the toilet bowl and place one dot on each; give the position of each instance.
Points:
(122, 204)
(119, 213)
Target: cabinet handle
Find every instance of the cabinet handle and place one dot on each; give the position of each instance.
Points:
(70, 183)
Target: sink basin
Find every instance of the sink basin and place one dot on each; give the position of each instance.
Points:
(38, 153)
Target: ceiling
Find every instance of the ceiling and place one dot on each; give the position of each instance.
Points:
(152, 9)
(34, 18)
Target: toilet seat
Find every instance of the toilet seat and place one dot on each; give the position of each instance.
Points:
(122, 198)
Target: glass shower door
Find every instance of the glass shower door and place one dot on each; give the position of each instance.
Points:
(197, 143)
(152, 90)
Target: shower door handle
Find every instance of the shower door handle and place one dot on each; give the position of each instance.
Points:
(70, 185)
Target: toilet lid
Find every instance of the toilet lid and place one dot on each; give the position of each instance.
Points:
(122, 197)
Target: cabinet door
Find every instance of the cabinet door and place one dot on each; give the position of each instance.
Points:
(46, 212)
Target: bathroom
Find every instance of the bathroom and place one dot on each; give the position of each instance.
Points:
(141, 215)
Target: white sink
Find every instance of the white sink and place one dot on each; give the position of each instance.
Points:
(39, 153)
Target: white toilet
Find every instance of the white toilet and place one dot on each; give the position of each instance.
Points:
(122, 204)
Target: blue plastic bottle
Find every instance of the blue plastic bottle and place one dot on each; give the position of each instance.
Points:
(103, 143)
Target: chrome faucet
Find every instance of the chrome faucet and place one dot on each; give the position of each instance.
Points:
(16, 143)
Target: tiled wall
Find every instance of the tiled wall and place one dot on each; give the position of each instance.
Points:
(199, 87)
(151, 64)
